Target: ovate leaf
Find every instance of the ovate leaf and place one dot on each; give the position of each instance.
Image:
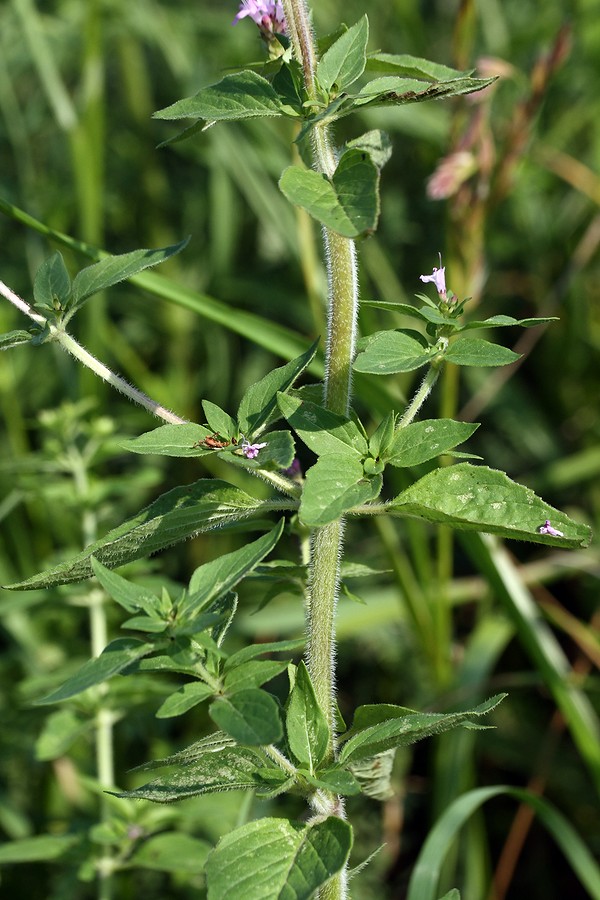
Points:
(251, 717)
(14, 338)
(469, 351)
(185, 698)
(348, 203)
(52, 285)
(477, 498)
(171, 852)
(274, 859)
(424, 440)
(321, 430)
(242, 95)
(389, 352)
(335, 484)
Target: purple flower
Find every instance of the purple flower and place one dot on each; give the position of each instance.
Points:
(547, 528)
(268, 15)
(249, 450)
(438, 277)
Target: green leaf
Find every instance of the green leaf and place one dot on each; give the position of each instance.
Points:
(322, 430)
(337, 780)
(407, 729)
(389, 352)
(114, 269)
(274, 859)
(424, 440)
(259, 403)
(118, 655)
(250, 716)
(482, 499)
(242, 95)
(393, 91)
(477, 352)
(131, 597)
(43, 848)
(253, 650)
(413, 67)
(252, 673)
(228, 769)
(13, 338)
(507, 321)
(185, 698)
(219, 421)
(176, 516)
(374, 775)
(376, 143)
(171, 440)
(335, 484)
(171, 852)
(52, 285)
(348, 203)
(346, 59)
(307, 729)
(211, 744)
(426, 873)
(217, 577)
(381, 438)
(61, 729)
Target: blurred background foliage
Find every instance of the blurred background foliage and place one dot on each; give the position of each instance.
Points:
(79, 80)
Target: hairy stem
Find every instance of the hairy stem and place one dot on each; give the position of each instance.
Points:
(327, 542)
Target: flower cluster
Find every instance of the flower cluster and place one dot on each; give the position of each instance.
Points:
(268, 15)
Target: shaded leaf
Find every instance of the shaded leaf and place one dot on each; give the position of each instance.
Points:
(307, 728)
(321, 430)
(52, 285)
(171, 852)
(250, 716)
(116, 657)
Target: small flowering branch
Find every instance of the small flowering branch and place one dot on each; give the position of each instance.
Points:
(68, 343)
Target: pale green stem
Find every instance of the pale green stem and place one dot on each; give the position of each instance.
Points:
(420, 397)
(327, 542)
(69, 344)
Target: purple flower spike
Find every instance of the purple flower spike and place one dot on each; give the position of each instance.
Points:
(547, 528)
(438, 277)
(249, 450)
(267, 14)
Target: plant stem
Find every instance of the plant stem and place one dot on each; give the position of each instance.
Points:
(69, 344)
(327, 542)
(420, 397)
